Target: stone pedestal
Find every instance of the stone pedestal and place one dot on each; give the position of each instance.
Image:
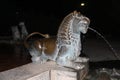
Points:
(48, 71)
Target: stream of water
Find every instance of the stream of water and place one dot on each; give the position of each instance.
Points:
(110, 46)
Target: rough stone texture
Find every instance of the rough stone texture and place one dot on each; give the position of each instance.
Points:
(42, 76)
(48, 71)
(63, 75)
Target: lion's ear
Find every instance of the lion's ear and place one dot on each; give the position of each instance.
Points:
(75, 12)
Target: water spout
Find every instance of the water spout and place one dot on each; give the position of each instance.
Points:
(110, 46)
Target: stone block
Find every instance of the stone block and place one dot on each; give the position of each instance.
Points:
(48, 71)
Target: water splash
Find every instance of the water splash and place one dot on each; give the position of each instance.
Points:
(113, 50)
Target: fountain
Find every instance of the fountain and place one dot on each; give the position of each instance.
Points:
(110, 46)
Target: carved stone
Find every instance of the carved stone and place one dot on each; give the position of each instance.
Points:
(24, 31)
(65, 48)
(15, 33)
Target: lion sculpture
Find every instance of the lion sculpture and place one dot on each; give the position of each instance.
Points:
(64, 48)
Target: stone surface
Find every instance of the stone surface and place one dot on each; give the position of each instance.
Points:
(63, 75)
(48, 71)
(42, 76)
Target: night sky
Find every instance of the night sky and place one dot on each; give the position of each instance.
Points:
(45, 16)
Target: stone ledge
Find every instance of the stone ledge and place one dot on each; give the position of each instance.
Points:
(48, 71)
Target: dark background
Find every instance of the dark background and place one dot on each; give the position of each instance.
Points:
(45, 16)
